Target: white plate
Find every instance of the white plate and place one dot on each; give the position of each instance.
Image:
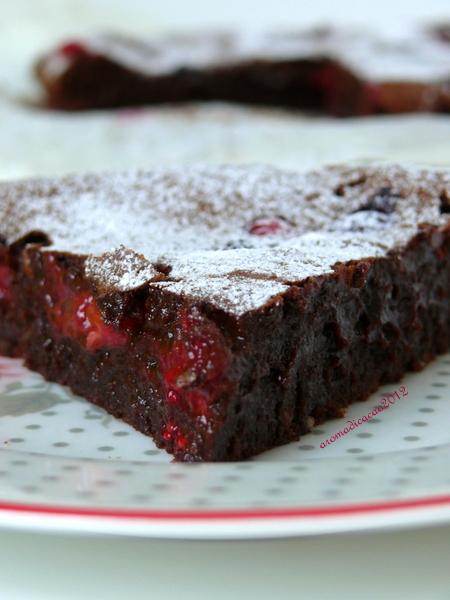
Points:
(67, 466)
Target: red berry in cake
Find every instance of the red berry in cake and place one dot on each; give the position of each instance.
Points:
(269, 226)
(197, 401)
(172, 397)
(181, 442)
(73, 49)
(171, 433)
(98, 333)
(196, 361)
(77, 314)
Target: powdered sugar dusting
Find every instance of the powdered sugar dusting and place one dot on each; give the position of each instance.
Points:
(415, 55)
(122, 269)
(236, 294)
(188, 229)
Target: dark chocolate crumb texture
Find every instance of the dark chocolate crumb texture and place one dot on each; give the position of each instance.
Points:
(338, 71)
(226, 310)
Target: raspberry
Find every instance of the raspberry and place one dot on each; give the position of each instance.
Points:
(98, 334)
(73, 49)
(194, 364)
(195, 359)
(197, 401)
(172, 397)
(171, 433)
(269, 226)
(77, 315)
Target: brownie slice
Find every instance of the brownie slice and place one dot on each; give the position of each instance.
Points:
(226, 310)
(341, 72)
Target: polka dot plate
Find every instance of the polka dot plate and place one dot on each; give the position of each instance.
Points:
(67, 466)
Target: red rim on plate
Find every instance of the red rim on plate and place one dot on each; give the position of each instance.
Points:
(312, 512)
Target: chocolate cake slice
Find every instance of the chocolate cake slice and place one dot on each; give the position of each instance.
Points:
(342, 72)
(226, 310)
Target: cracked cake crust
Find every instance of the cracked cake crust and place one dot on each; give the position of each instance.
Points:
(223, 310)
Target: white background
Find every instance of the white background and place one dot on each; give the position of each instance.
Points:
(34, 143)
(411, 565)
